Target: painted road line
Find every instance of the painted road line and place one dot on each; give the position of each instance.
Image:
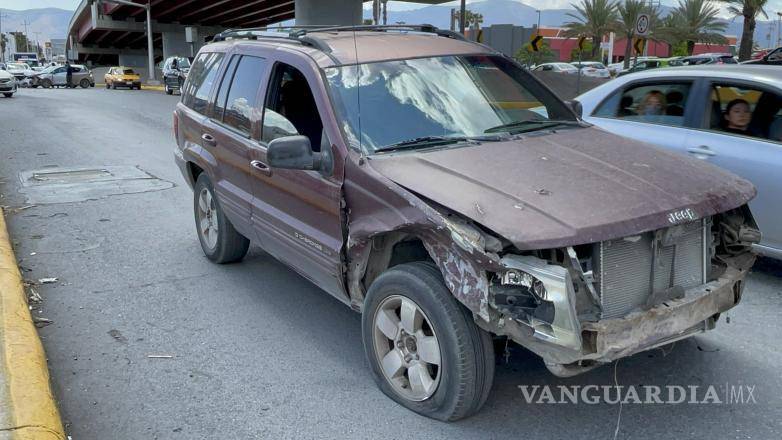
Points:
(28, 407)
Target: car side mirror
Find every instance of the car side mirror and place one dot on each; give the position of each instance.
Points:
(576, 107)
(293, 153)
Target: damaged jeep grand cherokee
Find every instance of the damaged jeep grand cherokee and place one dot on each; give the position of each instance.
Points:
(437, 188)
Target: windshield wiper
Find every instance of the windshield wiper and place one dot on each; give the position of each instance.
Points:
(421, 142)
(530, 125)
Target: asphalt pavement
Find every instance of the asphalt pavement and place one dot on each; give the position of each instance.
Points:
(253, 350)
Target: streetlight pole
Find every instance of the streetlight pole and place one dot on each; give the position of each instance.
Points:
(150, 48)
(462, 16)
(538, 11)
(779, 29)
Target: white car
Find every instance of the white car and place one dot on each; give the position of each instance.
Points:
(730, 116)
(7, 84)
(593, 69)
(18, 70)
(556, 67)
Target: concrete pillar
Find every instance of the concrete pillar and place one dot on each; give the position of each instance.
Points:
(174, 43)
(328, 12)
(136, 62)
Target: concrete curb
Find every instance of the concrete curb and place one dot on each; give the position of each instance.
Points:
(143, 87)
(28, 408)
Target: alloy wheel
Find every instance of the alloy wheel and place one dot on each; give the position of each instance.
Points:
(208, 225)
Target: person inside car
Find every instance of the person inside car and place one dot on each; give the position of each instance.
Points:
(653, 104)
(737, 117)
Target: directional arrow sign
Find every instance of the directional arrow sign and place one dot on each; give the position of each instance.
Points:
(535, 41)
(642, 25)
(639, 45)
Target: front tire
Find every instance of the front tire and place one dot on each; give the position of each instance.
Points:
(219, 240)
(8, 95)
(168, 90)
(424, 349)
(46, 84)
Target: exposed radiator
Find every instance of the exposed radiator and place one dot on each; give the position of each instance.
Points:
(624, 275)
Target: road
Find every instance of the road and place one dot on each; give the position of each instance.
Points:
(258, 352)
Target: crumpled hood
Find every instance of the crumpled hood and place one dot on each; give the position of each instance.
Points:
(571, 187)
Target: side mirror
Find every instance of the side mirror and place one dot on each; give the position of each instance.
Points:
(293, 153)
(576, 107)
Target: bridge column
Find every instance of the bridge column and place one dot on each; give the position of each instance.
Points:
(174, 43)
(328, 12)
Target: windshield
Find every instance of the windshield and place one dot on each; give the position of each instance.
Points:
(18, 66)
(182, 63)
(452, 97)
(128, 72)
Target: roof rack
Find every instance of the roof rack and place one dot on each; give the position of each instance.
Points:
(301, 33)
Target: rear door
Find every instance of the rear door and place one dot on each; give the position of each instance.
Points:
(754, 153)
(297, 213)
(231, 132)
(657, 111)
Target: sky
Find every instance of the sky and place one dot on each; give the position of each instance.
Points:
(772, 8)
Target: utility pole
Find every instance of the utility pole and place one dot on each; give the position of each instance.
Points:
(779, 29)
(462, 16)
(26, 38)
(538, 11)
(37, 46)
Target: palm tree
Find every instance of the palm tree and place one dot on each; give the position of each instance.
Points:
(698, 21)
(749, 9)
(595, 18)
(628, 15)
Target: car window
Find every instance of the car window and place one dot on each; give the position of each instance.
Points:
(201, 80)
(746, 111)
(225, 86)
(776, 55)
(242, 96)
(128, 72)
(290, 108)
(728, 60)
(655, 103)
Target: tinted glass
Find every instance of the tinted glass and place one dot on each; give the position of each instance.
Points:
(745, 111)
(225, 86)
(450, 96)
(241, 101)
(655, 103)
(291, 109)
(200, 81)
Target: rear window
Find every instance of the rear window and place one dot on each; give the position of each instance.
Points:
(200, 82)
(728, 60)
(128, 72)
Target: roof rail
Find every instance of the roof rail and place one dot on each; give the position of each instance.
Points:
(263, 32)
(425, 28)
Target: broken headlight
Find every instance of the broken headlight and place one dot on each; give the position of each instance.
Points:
(519, 278)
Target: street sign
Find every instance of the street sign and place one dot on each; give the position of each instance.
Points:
(642, 25)
(581, 43)
(535, 41)
(639, 45)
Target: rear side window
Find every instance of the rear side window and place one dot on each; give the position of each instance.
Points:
(201, 79)
(241, 99)
(652, 102)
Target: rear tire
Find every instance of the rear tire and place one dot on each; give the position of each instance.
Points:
(84, 84)
(108, 86)
(219, 240)
(459, 385)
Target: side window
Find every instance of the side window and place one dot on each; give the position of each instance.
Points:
(290, 108)
(661, 103)
(200, 81)
(241, 100)
(776, 55)
(746, 111)
(225, 86)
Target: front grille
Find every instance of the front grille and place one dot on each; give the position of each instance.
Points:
(4, 80)
(627, 271)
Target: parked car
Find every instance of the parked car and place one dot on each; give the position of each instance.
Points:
(175, 71)
(122, 77)
(17, 70)
(7, 84)
(773, 57)
(556, 67)
(463, 199)
(645, 64)
(692, 120)
(593, 69)
(709, 58)
(57, 77)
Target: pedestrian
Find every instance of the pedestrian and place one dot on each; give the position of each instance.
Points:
(68, 75)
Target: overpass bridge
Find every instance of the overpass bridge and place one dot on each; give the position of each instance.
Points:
(104, 32)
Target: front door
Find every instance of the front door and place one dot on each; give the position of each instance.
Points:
(297, 213)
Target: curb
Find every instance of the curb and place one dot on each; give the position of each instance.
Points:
(28, 407)
(143, 87)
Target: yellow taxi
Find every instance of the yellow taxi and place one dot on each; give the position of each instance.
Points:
(122, 77)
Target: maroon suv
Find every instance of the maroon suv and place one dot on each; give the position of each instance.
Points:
(437, 188)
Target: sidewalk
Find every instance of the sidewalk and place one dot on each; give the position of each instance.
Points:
(27, 406)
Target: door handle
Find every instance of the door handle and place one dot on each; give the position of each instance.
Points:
(701, 151)
(209, 140)
(261, 166)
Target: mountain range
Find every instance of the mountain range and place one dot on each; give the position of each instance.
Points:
(53, 22)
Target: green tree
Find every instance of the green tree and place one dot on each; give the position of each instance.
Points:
(594, 19)
(527, 56)
(750, 10)
(628, 15)
(696, 21)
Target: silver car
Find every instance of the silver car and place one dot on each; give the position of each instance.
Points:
(556, 67)
(7, 84)
(729, 115)
(57, 77)
(594, 69)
